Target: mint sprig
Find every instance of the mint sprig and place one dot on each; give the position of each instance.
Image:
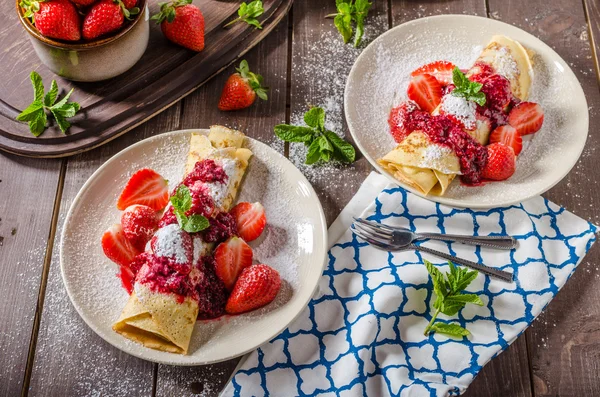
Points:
(465, 88)
(35, 114)
(322, 143)
(349, 12)
(449, 297)
(182, 202)
(249, 13)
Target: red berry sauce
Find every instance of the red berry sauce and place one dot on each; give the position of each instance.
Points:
(212, 294)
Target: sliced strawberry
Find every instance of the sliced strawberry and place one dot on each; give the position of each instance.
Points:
(145, 187)
(399, 120)
(257, 286)
(139, 224)
(508, 136)
(426, 91)
(526, 117)
(116, 246)
(231, 257)
(501, 162)
(250, 219)
(127, 278)
(441, 70)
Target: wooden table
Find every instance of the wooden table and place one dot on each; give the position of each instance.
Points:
(46, 349)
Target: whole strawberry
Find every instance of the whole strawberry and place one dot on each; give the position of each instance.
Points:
(106, 17)
(256, 286)
(501, 162)
(57, 19)
(241, 89)
(182, 23)
(83, 3)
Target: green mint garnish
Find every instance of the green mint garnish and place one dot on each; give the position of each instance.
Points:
(35, 114)
(249, 14)
(182, 202)
(465, 88)
(350, 11)
(322, 143)
(449, 298)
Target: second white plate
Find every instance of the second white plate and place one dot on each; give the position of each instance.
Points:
(380, 76)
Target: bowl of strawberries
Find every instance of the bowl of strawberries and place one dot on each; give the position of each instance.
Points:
(73, 37)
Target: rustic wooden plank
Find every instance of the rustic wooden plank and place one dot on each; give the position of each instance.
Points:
(509, 373)
(320, 64)
(163, 75)
(564, 342)
(70, 359)
(28, 190)
(200, 110)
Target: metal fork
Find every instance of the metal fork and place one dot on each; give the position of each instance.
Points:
(401, 235)
(385, 242)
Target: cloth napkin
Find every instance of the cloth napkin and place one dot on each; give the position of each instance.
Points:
(362, 333)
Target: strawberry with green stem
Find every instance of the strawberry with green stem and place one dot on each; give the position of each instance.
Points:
(242, 88)
(182, 23)
(35, 113)
(249, 13)
(105, 17)
(57, 19)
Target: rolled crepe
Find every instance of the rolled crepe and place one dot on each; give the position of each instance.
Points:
(425, 166)
(511, 60)
(162, 321)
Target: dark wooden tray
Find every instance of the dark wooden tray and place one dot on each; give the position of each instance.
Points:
(165, 74)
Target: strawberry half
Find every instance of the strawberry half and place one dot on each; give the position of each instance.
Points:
(508, 136)
(426, 91)
(501, 162)
(116, 247)
(145, 187)
(231, 257)
(526, 117)
(441, 70)
(250, 219)
(257, 286)
(139, 223)
(241, 89)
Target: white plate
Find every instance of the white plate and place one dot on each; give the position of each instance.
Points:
(294, 243)
(380, 76)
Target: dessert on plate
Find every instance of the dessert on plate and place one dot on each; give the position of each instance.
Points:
(468, 123)
(184, 256)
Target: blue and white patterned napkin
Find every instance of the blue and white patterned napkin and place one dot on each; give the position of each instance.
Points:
(362, 334)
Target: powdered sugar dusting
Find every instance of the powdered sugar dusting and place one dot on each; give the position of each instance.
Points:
(463, 110)
(169, 244)
(381, 78)
(432, 158)
(505, 65)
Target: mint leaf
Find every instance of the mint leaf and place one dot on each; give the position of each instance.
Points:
(465, 298)
(343, 151)
(361, 9)
(51, 95)
(182, 219)
(465, 88)
(38, 86)
(63, 124)
(67, 110)
(63, 101)
(314, 152)
(450, 329)
(37, 125)
(30, 112)
(248, 13)
(315, 118)
(196, 223)
(182, 199)
(325, 145)
(343, 23)
(292, 133)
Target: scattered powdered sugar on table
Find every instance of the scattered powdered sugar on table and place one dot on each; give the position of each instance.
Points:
(286, 245)
(381, 79)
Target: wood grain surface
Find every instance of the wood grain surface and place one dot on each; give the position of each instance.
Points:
(164, 74)
(558, 356)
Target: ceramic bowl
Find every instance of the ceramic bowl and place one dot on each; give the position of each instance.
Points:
(79, 61)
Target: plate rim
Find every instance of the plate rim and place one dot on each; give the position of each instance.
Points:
(117, 156)
(445, 200)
